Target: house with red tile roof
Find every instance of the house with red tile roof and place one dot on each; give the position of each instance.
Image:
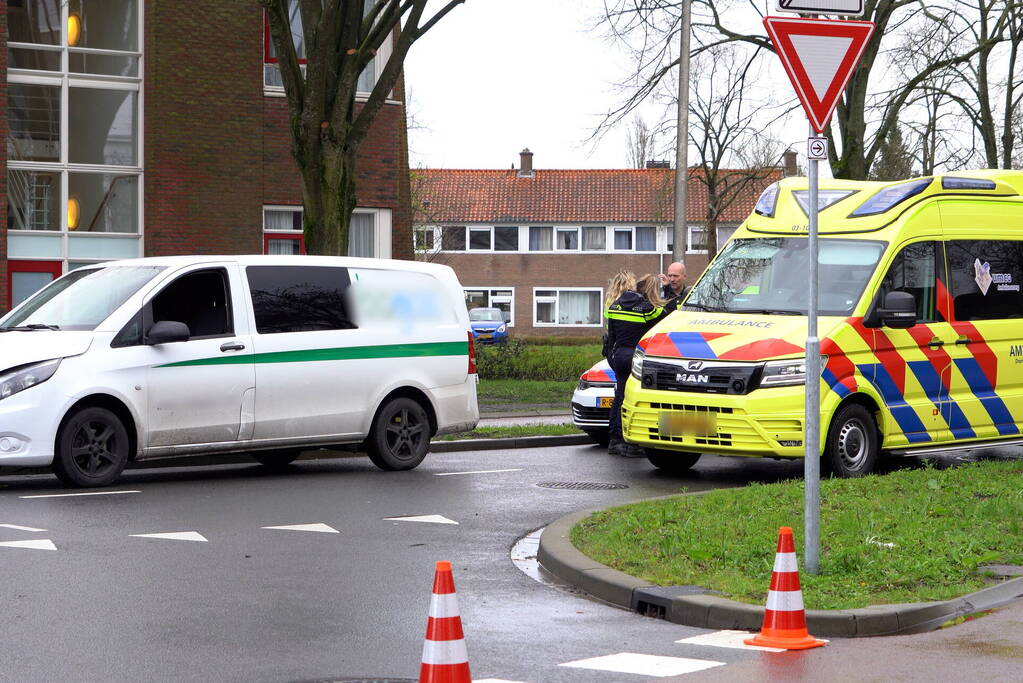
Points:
(541, 244)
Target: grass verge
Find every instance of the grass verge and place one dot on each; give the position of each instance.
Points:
(908, 536)
(526, 391)
(514, 431)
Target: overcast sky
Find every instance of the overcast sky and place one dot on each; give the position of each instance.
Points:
(495, 76)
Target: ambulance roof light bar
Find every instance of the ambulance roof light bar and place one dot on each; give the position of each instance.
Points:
(890, 196)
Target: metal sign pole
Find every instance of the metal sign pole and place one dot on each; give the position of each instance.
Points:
(811, 461)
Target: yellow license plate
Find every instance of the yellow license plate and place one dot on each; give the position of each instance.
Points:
(606, 401)
(687, 423)
(486, 336)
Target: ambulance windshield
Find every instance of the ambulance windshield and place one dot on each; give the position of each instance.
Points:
(770, 276)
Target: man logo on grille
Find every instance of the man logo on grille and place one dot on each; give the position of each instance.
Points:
(692, 379)
(694, 365)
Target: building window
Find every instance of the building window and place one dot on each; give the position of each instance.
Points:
(369, 233)
(697, 241)
(568, 239)
(492, 297)
(646, 239)
(506, 238)
(541, 238)
(480, 239)
(623, 239)
(74, 170)
(426, 239)
(272, 82)
(567, 307)
(594, 238)
(452, 238)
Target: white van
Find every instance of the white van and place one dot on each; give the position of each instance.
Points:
(159, 357)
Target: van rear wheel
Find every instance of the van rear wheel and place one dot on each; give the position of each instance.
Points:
(674, 462)
(400, 435)
(92, 448)
(852, 448)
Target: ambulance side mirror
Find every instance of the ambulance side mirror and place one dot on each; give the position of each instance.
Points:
(898, 310)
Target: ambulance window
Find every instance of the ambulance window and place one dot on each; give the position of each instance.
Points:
(985, 279)
(299, 298)
(913, 271)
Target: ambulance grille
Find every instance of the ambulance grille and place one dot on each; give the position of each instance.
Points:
(710, 377)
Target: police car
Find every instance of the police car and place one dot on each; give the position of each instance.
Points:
(591, 401)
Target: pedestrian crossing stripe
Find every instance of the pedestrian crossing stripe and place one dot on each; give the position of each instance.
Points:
(644, 665)
(319, 526)
(730, 639)
(430, 519)
(175, 536)
(41, 544)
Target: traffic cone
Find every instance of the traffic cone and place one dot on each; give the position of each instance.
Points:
(445, 659)
(784, 620)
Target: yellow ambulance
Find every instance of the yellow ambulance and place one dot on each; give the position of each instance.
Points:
(920, 322)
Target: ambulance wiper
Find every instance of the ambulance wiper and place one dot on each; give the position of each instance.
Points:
(768, 311)
(33, 326)
(705, 307)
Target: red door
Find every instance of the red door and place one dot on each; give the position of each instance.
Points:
(25, 278)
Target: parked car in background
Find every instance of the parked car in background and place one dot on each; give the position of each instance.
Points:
(591, 401)
(489, 325)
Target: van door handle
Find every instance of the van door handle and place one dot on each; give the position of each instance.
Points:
(964, 340)
(232, 346)
(935, 342)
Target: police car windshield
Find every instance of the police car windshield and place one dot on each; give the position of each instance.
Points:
(770, 275)
(82, 299)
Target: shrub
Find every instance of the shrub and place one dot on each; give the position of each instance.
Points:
(515, 359)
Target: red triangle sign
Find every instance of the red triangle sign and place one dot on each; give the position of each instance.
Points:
(819, 56)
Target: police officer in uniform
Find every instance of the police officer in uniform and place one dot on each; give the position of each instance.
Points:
(634, 308)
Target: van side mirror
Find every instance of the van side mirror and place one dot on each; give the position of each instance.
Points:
(167, 332)
(898, 310)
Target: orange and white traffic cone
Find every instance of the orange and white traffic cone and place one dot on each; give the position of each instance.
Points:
(785, 620)
(445, 659)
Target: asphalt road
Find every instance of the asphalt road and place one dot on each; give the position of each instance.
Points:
(88, 596)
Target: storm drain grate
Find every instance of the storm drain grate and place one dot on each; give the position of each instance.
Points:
(581, 485)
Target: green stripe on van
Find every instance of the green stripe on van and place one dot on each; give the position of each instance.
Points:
(339, 353)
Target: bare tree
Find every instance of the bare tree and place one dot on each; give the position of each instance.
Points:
(327, 127)
(640, 140)
(864, 116)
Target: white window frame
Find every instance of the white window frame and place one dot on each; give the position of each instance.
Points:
(465, 237)
(635, 241)
(558, 229)
(65, 80)
(518, 239)
(554, 234)
(632, 239)
(501, 297)
(689, 238)
(556, 299)
(479, 229)
(433, 231)
(582, 243)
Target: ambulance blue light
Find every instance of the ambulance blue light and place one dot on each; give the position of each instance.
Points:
(890, 196)
(950, 183)
(768, 201)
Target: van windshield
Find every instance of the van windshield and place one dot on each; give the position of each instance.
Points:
(80, 300)
(770, 276)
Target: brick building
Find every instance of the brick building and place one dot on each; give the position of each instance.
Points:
(542, 244)
(156, 127)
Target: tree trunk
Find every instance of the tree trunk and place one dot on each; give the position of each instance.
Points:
(329, 199)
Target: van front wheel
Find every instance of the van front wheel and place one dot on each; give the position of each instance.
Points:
(400, 435)
(851, 449)
(674, 462)
(92, 448)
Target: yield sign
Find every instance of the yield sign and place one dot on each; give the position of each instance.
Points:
(819, 56)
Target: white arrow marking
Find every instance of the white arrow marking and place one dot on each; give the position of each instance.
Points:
(176, 536)
(20, 528)
(451, 474)
(432, 519)
(322, 528)
(44, 544)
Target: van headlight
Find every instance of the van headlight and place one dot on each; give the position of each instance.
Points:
(780, 373)
(19, 379)
(637, 363)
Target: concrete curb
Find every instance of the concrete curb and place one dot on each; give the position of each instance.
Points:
(696, 606)
(517, 442)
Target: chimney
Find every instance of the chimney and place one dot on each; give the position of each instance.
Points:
(526, 163)
(790, 163)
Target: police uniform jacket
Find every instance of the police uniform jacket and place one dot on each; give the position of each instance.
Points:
(628, 319)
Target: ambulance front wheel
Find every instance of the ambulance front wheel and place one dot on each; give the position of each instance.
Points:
(674, 462)
(852, 447)
(400, 435)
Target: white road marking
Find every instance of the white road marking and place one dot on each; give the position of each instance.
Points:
(451, 474)
(176, 536)
(21, 528)
(42, 544)
(319, 526)
(493, 680)
(644, 665)
(431, 519)
(731, 639)
(90, 493)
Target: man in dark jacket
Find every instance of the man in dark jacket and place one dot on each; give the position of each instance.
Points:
(673, 286)
(628, 319)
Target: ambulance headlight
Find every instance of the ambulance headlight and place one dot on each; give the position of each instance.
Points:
(888, 197)
(26, 376)
(637, 363)
(781, 373)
